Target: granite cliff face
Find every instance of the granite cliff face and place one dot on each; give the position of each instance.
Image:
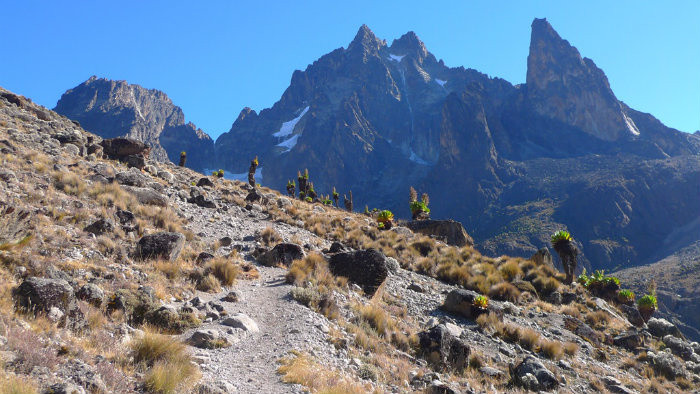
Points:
(513, 163)
(116, 108)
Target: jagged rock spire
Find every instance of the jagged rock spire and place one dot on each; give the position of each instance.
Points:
(409, 44)
(365, 41)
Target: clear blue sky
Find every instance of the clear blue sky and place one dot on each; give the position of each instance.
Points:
(217, 57)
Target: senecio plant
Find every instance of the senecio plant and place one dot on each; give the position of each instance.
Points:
(291, 188)
(625, 296)
(385, 218)
(220, 173)
(562, 242)
(183, 158)
(648, 304)
(419, 209)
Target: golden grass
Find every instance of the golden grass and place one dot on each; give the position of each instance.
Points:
(302, 369)
(504, 291)
(380, 321)
(225, 270)
(553, 350)
(167, 364)
(597, 319)
(16, 385)
(269, 237)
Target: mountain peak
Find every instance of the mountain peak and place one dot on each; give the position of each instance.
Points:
(365, 41)
(409, 44)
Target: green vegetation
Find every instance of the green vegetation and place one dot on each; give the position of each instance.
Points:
(648, 302)
(561, 235)
(385, 216)
(481, 302)
(625, 296)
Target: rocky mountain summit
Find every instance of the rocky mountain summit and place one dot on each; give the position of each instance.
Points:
(123, 274)
(118, 109)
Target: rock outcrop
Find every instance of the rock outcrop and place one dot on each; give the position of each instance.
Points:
(366, 268)
(117, 109)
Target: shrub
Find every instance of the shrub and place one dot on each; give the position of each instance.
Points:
(504, 291)
(481, 302)
(647, 302)
(625, 296)
(553, 350)
(224, 270)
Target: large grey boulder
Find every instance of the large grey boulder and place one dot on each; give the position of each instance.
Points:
(40, 295)
(242, 321)
(162, 245)
(665, 363)
(662, 327)
(543, 257)
(461, 302)
(678, 347)
(452, 232)
(442, 347)
(366, 268)
(92, 294)
(147, 196)
(120, 148)
(531, 374)
(283, 253)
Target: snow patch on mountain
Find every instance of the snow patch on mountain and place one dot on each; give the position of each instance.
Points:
(440, 82)
(289, 143)
(396, 58)
(630, 124)
(417, 159)
(288, 127)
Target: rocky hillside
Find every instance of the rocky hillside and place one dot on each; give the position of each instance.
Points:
(121, 274)
(118, 109)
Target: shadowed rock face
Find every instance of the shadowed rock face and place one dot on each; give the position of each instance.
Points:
(118, 109)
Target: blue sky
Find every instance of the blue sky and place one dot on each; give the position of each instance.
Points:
(217, 57)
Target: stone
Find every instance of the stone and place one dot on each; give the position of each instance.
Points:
(55, 315)
(100, 226)
(337, 247)
(615, 386)
(206, 339)
(242, 321)
(64, 388)
(282, 254)
(452, 232)
(283, 202)
(544, 378)
(438, 387)
(202, 201)
(667, 364)
(632, 314)
(134, 303)
(366, 268)
(232, 296)
(131, 178)
(39, 295)
(7, 176)
(583, 330)
(205, 182)
(225, 241)
(163, 245)
(416, 287)
(124, 217)
(92, 294)
(166, 176)
(461, 302)
(120, 148)
(629, 340)
(147, 196)
(678, 347)
(393, 265)
(661, 327)
(203, 257)
(440, 347)
(253, 196)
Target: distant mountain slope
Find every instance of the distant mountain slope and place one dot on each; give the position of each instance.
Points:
(116, 108)
(513, 163)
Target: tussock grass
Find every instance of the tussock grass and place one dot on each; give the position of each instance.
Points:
(167, 365)
(269, 237)
(553, 350)
(302, 369)
(16, 385)
(225, 270)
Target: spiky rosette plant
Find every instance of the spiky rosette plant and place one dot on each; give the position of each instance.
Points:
(220, 173)
(348, 202)
(480, 305)
(311, 192)
(291, 188)
(336, 196)
(563, 244)
(183, 158)
(625, 296)
(647, 305)
(419, 210)
(385, 217)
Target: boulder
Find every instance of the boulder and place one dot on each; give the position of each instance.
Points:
(39, 295)
(283, 253)
(253, 196)
(366, 268)
(120, 148)
(100, 226)
(438, 387)
(442, 347)
(163, 245)
(665, 363)
(632, 314)
(662, 327)
(530, 368)
(203, 257)
(242, 321)
(147, 196)
(135, 303)
(583, 330)
(201, 201)
(629, 340)
(207, 339)
(166, 176)
(131, 178)
(204, 181)
(124, 217)
(678, 347)
(461, 302)
(452, 232)
(92, 294)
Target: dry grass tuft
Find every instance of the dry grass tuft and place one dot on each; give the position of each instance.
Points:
(269, 237)
(511, 270)
(223, 269)
(16, 385)
(529, 338)
(553, 350)
(504, 291)
(597, 319)
(167, 364)
(302, 369)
